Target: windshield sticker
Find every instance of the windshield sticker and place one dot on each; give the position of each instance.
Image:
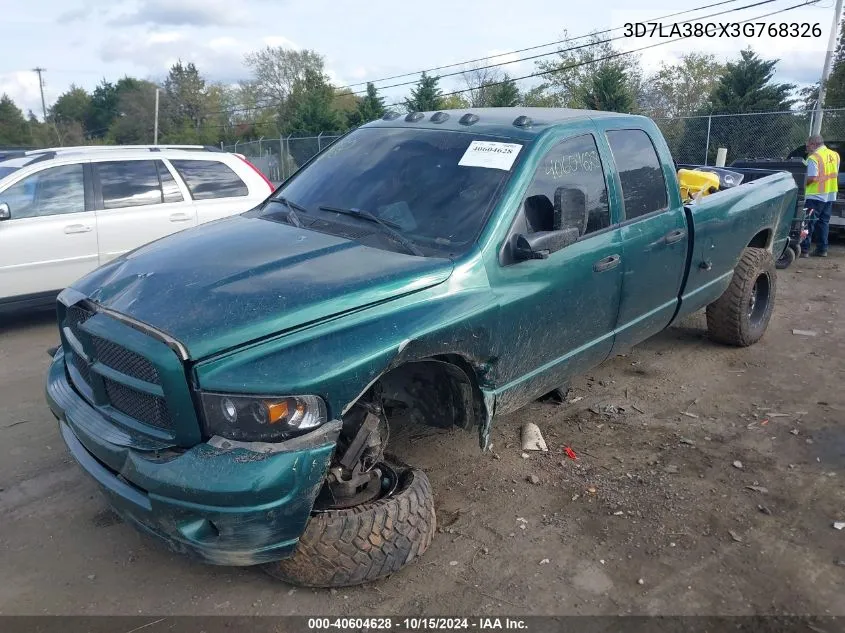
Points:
(491, 155)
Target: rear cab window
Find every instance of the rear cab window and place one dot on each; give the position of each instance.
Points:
(210, 179)
(640, 172)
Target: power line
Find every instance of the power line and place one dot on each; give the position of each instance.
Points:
(620, 54)
(592, 61)
(532, 48)
(274, 104)
(580, 46)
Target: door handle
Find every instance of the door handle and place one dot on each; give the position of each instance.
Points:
(77, 228)
(675, 236)
(608, 263)
(180, 217)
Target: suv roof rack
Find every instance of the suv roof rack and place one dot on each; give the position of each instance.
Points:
(113, 148)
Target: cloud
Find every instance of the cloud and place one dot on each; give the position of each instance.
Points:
(217, 58)
(22, 88)
(185, 13)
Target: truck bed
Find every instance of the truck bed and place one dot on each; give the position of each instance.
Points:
(731, 220)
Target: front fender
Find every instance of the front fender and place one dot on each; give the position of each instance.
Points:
(341, 358)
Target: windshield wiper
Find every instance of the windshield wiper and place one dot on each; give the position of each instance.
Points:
(389, 227)
(292, 206)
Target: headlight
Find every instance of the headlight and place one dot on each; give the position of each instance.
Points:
(261, 418)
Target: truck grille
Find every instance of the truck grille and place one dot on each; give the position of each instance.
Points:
(143, 407)
(124, 361)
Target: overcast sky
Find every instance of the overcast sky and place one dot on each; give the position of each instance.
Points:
(82, 41)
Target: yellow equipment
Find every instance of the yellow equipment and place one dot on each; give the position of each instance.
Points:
(695, 184)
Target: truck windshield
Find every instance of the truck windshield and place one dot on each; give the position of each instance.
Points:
(435, 187)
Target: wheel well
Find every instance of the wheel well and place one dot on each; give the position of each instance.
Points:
(761, 240)
(440, 391)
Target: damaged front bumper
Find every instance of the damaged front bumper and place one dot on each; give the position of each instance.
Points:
(225, 504)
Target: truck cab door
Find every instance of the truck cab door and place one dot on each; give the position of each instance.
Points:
(558, 314)
(655, 239)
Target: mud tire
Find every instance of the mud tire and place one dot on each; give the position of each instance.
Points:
(341, 548)
(741, 315)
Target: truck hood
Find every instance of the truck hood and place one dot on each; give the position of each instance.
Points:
(240, 279)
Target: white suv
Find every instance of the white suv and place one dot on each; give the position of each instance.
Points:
(66, 211)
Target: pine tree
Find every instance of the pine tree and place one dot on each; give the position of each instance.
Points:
(746, 86)
(504, 94)
(608, 90)
(310, 107)
(426, 96)
(371, 107)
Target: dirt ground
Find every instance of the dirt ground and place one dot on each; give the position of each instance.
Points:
(707, 481)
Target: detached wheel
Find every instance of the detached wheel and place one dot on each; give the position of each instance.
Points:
(785, 260)
(354, 545)
(742, 314)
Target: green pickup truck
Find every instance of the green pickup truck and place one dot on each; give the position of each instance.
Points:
(232, 388)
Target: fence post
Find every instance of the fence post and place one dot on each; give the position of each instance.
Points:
(281, 158)
(319, 143)
(221, 144)
(288, 151)
(707, 147)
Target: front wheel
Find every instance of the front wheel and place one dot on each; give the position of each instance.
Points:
(353, 545)
(742, 314)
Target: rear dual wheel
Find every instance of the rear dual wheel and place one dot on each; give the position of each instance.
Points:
(741, 315)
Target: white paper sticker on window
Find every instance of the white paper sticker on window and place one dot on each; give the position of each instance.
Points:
(491, 155)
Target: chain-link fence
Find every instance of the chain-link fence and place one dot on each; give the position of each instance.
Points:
(696, 139)
(279, 158)
(693, 139)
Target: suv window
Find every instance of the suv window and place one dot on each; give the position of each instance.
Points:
(569, 178)
(129, 183)
(209, 179)
(169, 189)
(643, 184)
(54, 191)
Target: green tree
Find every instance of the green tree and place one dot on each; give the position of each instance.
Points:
(72, 106)
(184, 105)
(311, 106)
(371, 107)
(135, 120)
(746, 86)
(570, 73)
(541, 97)
(14, 129)
(681, 88)
(276, 70)
(503, 94)
(454, 102)
(102, 109)
(425, 96)
(608, 90)
(835, 92)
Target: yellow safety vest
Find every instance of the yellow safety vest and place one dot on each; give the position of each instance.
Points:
(827, 163)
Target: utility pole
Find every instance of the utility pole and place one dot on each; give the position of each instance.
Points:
(41, 86)
(155, 133)
(828, 62)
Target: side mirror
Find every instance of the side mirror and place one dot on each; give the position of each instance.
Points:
(543, 243)
(5, 213)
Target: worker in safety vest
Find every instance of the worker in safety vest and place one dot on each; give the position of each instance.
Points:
(821, 186)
